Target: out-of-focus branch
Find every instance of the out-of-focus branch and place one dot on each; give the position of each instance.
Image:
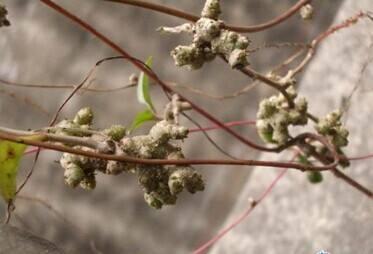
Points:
(242, 29)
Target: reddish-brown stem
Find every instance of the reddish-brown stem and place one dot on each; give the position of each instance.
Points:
(228, 124)
(129, 159)
(187, 16)
(322, 36)
(353, 183)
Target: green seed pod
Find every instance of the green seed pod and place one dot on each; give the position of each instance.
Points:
(315, 177)
(84, 116)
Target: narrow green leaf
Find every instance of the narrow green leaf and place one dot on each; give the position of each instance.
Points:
(141, 118)
(143, 94)
(10, 155)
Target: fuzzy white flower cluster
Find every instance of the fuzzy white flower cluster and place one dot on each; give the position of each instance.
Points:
(209, 41)
(161, 183)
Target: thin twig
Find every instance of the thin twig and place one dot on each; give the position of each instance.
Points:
(26, 100)
(204, 132)
(322, 36)
(240, 92)
(59, 86)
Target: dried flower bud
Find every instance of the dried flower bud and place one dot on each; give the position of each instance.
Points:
(206, 29)
(116, 132)
(211, 9)
(331, 127)
(189, 56)
(73, 175)
(163, 131)
(84, 116)
(88, 182)
(237, 58)
(275, 117)
(152, 201)
(306, 12)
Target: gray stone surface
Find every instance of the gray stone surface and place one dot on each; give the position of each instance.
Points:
(299, 217)
(16, 241)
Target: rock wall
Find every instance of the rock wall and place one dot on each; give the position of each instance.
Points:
(299, 217)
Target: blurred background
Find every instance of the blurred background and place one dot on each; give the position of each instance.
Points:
(42, 47)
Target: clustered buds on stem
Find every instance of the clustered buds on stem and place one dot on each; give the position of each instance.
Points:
(331, 127)
(209, 40)
(3, 13)
(275, 116)
(161, 184)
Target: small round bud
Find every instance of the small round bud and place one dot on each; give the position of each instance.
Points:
(84, 116)
(237, 58)
(133, 79)
(88, 182)
(152, 201)
(211, 9)
(194, 183)
(116, 132)
(175, 183)
(73, 175)
(306, 12)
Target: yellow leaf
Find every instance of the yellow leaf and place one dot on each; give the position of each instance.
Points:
(10, 155)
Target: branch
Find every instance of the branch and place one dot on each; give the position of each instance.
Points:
(187, 16)
(321, 37)
(141, 66)
(41, 143)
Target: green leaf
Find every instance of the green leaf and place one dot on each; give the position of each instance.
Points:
(10, 155)
(141, 118)
(143, 94)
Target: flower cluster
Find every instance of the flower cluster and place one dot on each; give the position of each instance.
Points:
(161, 183)
(209, 40)
(275, 116)
(331, 127)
